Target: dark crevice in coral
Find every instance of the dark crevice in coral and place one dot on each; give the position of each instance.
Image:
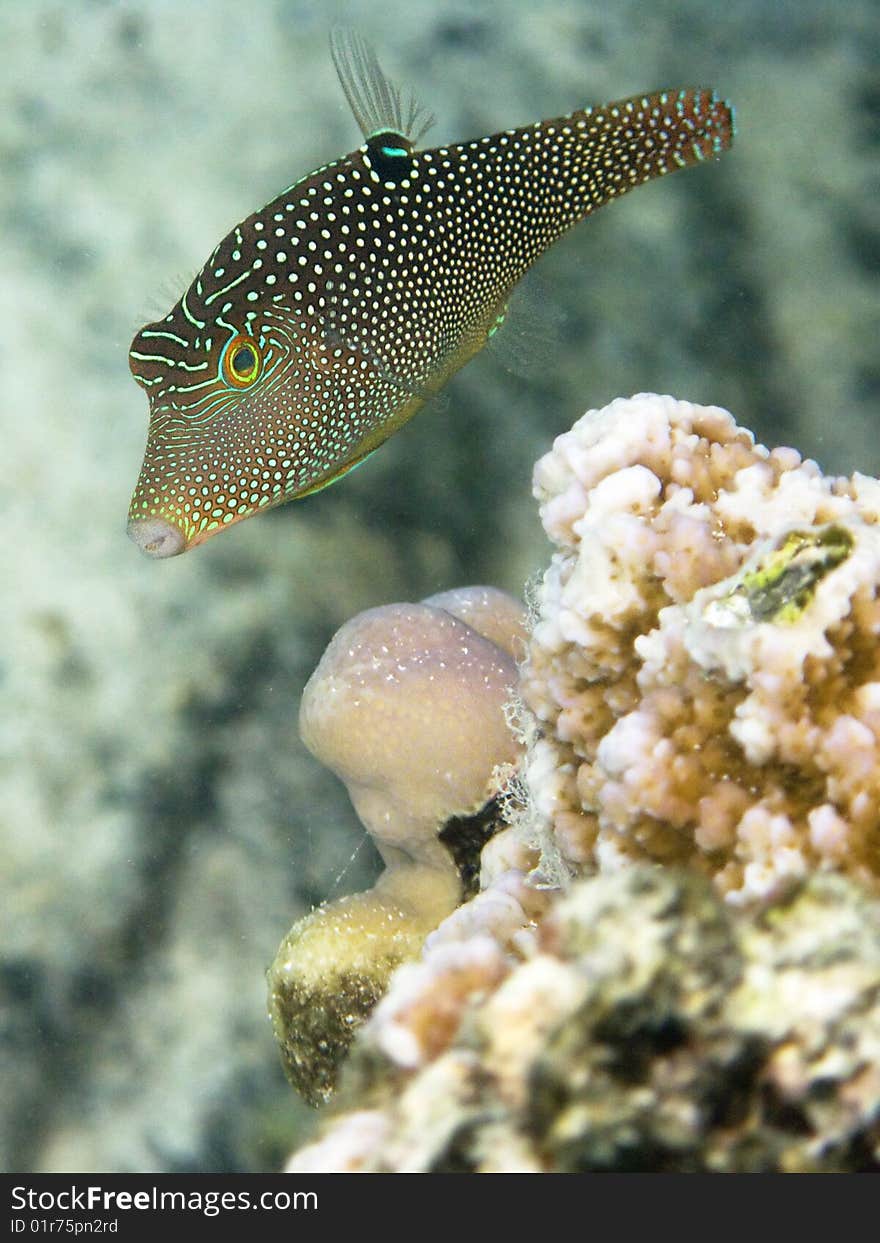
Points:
(730, 1084)
(465, 836)
(633, 1043)
(860, 1156)
(614, 1153)
(458, 1156)
(784, 1115)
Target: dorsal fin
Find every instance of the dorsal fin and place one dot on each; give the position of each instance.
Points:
(378, 105)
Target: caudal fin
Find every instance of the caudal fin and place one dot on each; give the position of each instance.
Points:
(676, 128)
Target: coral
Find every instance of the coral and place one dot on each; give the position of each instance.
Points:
(653, 1029)
(704, 668)
(702, 691)
(407, 707)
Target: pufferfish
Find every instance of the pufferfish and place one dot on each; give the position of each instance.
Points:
(323, 322)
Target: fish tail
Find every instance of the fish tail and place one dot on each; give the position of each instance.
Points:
(693, 124)
(631, 141)
(551, 175)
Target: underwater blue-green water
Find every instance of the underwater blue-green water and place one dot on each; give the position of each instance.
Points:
(161, 825)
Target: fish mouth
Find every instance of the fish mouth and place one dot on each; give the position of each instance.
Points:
(156, 537)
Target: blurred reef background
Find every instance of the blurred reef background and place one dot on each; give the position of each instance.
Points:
(161, 826)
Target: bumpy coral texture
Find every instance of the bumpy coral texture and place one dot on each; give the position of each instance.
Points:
(704, 668)
(652, 1028)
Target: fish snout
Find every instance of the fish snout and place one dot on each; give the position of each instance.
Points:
(156, 537)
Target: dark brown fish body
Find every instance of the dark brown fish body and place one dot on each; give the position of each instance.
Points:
(323, 322)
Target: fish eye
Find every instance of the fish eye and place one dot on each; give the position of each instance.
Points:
(240, 362)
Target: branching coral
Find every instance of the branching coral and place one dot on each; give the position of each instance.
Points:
(705, 667)
(406, 707)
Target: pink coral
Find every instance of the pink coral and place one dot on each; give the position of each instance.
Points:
(705, 668)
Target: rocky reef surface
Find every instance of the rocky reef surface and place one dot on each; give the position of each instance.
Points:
(649, 1029)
